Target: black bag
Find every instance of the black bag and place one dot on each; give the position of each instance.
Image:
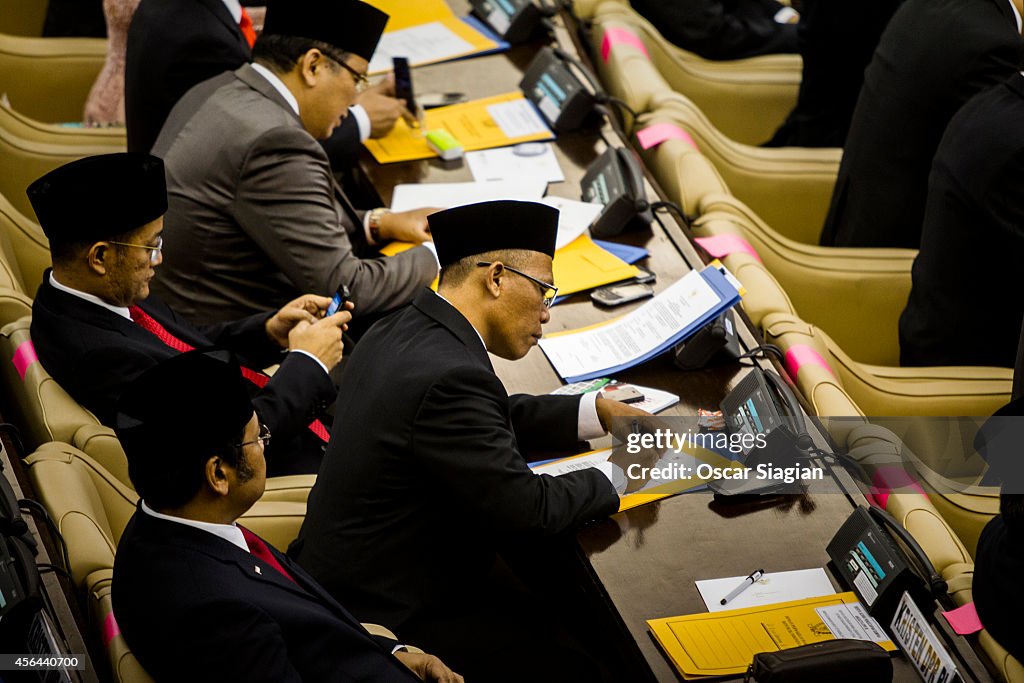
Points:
(835, 661)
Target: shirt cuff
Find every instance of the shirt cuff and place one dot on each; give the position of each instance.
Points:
(399, 648)
(589, 424)
(318, 361)
(433, 250)
(362, 120)
(366, 230)
(783, 16)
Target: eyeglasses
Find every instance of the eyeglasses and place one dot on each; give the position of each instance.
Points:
(264, 437)
(154, 252)
(548, 291)
(362, 82)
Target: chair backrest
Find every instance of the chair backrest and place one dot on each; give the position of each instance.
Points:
(30, 129)
(49, 79)
(23, 17)
(24, 247)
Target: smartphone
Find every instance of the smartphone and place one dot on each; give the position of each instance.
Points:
(623, 393)
(646, 276)
(403, 83)
(432, 100)
(338, 300)
(616, 295)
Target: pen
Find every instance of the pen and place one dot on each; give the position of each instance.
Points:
(747, 583)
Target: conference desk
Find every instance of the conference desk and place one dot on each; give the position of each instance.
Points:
(641, 564)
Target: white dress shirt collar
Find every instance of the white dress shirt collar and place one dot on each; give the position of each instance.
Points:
(229, 532)
(1016, 16)
(235, 8)
(119, 310)
(278, 84)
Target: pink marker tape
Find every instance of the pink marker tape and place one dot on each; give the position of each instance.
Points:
(887, 479)
(621, 36)
(800, 355)
(110, 629)
(24, 356)
(964, 620)
(652, 136)
(720, 246)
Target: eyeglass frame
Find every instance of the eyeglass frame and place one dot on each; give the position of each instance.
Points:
(264, 437)
(154, 252)
(362, 80)
(548, 300)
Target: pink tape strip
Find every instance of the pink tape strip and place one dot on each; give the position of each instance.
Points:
(964, 620)
(110, 629)
(652, 136)
(720, 246)
(800, 355)
(621, 36)
(887, 479)
(24, 356)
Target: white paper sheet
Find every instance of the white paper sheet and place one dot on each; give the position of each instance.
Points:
(504, 163)
(517, 118)
(447, 195)
(772, 588)
(632, 336)
(574, 218)
(852, 621)
(422, 44)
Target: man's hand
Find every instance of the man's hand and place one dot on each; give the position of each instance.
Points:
(428, 667)
(407, 226)
(307, 308)
(608, 410)
(323, 337)
(383, 108)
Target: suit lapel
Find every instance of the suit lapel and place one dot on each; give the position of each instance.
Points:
(447, 315)
(220, 11)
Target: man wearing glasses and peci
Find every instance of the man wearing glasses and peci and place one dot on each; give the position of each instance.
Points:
(428, 478)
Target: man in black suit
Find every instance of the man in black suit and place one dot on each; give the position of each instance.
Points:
(724, 29)
(933, 57)
(74, 18)
(836, 40)
(176, 44)
(200, 598)
(95, 329)
(998, 565)
(972, 244)
(430, 479)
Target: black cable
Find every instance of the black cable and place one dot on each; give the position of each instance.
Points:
(762, 350)
(45, 567)
(673, 208)
(12, 431)
(36, 509)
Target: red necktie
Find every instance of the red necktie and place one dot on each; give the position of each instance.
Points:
(259, 549)
(247, 30)
(149, 323)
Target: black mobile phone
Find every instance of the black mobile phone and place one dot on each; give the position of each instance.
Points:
(616, 295)
(403, 82)
(338, 300)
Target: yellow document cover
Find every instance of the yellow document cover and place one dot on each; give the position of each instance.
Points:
(470, 123)
(724, 643)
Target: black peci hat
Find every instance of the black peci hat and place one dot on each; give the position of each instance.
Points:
(490, 226)
(348, 25)
(98, 197)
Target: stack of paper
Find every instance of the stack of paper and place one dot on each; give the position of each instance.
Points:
(447, 195)
(530, 160)
(772, 588)
(427, 31)
(496, 121)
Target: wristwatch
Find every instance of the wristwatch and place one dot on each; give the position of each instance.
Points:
(373, 223)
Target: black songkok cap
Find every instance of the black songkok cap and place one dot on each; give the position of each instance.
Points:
(98, 197)
(348, 25)
(490, 226)
(187, 406)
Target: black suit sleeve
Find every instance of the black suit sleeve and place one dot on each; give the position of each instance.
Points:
(462, 439)
(1002, 199)
(344, 144)
(545, 423)
(295, 395)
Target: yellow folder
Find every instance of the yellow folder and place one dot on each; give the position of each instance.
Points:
(470, 123)
(724, 643)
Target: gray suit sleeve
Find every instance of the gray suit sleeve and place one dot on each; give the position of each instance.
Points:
(285, 203)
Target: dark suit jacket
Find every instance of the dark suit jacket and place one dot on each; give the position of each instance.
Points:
(194, 607)
(933, 57)
(721, 29)
(409, 507)
(176, 44)
(998, 564)
(255, 217)
(93, 353)
(963, 308)
(74, 18)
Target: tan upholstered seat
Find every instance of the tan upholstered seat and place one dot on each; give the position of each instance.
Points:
(23, 17)
(47, 413)
(25, 247)
(790, 188)
(746, 99)
(30, 129)
(48, 79)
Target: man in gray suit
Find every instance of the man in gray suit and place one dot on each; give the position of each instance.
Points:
(254, 214)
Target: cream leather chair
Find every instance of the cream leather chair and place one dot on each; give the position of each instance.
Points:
(790, 188)
(871, 284)
(29, 129)
(23, 17)
(48, 79)
(47, 413)
(746, 99)
(25, 247)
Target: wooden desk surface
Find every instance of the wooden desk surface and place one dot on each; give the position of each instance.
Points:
(642, 563)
